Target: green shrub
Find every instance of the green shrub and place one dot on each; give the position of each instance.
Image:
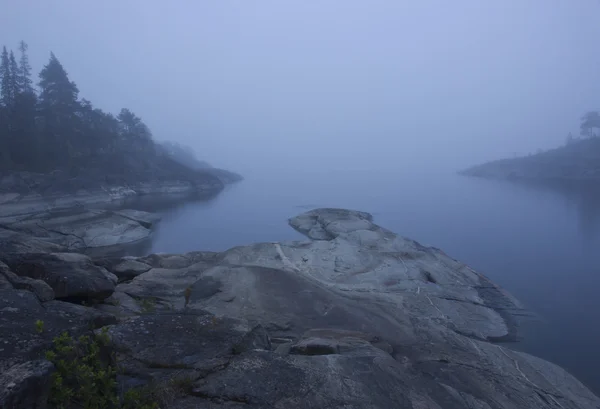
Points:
(39, 326)
(85, 377)
(158, 395)
(82, 378)
(147, 304)
(139, 398)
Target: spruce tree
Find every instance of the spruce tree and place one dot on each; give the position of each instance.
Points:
(57, 92)
(24, 144)
(58, 106)
(5, 160)
(5, 79)
(25, 83)
(14, 77)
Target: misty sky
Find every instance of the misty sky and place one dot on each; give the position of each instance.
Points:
(339, 84)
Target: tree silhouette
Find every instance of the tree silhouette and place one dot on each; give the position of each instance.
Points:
(589, 121)
(24, 72)
(52, 129)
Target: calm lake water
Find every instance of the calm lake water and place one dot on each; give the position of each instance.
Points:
(541, 244)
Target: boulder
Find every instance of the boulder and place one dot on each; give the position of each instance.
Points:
(360, 375)
(153, 344)
(4, 283)
(229, 363)
(16, 243)
(121, 305)
(125, 268)
(175, 261)
(323, 224)
(70, 275)
(42, 290)
(26, 385)
(356, 317)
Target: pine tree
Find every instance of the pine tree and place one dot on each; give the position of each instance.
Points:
(25, 83)
(135, 135)
(58, 106)
(589, 121)
(5, 161)
(129, 121)
(57, 92)
(5, 79)
(24, 143)
(7, 99)
(14, 77)
(56, 130)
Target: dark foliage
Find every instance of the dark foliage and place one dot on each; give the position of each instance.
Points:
(184, 155)
(52, 129)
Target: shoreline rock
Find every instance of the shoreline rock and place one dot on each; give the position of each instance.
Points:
(72, 276)
(356, 316)
(82, 230)
(578, 163)
(20, 204)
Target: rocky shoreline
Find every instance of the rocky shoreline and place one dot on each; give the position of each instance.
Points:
(577, 163)
(15, 200)
(354, 317)
(81, 231)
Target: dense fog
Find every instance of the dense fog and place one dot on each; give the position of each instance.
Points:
(469, 128)
(333, 85)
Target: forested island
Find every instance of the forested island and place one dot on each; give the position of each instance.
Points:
(577, 161)
(54, 142)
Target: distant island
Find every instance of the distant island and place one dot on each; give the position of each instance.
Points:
(55, 146)
(577, 161)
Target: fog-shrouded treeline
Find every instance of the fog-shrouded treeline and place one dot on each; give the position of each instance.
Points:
(45, 125)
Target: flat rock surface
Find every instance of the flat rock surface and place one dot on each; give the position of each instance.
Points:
(15, 243)
(188, 340)
(146, 219)
(25, 193)
(85, 229)
(357, 317)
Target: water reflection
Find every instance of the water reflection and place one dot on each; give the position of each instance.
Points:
(584, 198)
(587, 201)
(161, 203)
